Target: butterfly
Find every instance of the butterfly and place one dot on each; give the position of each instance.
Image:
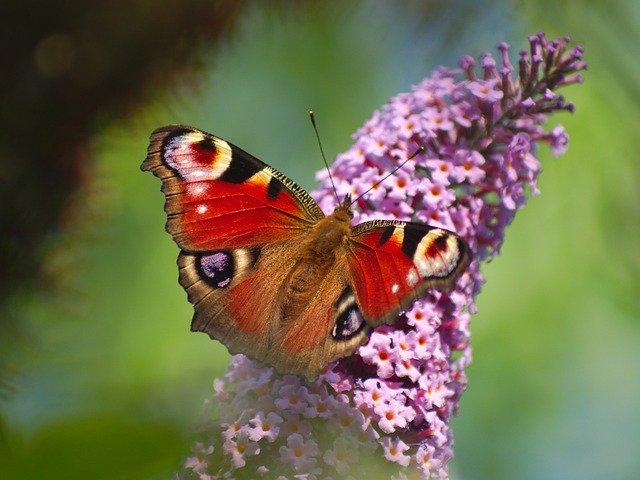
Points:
(269, 274)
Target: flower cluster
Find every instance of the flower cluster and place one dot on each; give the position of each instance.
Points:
(384, 412)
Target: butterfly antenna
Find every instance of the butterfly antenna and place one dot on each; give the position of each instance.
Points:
(315, 129)
(420, 150)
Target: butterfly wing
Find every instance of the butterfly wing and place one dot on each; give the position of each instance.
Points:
(392, 263)
(219, 196)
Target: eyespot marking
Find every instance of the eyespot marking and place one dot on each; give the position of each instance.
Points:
(348, 324)
(217, 268)
(438, 254)
(349, 320)
(195, 156)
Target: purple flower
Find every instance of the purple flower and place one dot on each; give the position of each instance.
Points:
(480, 128)
(486, 90)
(301, 454)
(379, 352)
(265, 426)
(393, 449)
(393, 415)
(198, 463)
(559, 140)
(239, 447)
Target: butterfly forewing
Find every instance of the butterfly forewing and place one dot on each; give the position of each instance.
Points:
(219, 196)
(392, 263)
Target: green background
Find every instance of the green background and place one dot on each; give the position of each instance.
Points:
(110, 380)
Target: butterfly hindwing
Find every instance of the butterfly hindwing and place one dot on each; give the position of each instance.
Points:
(392, 263)
(245, 299)
(219, 196)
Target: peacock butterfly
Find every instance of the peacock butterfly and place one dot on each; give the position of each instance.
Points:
(269, 274)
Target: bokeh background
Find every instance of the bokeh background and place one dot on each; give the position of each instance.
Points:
(99, 374)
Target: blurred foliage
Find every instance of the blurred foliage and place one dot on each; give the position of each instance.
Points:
(109, 379)
(68, 70)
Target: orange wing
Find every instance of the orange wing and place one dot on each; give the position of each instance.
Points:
(219, 196)
(392, 263)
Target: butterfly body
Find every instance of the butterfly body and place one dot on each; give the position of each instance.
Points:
(317, 256)
(269, 274)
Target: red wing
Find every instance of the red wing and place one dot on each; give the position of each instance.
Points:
(392, 263)
(219, 196)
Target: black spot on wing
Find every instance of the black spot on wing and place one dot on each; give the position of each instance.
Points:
(386, 234)
(274, 189)
(441, 241)
(207, 144)
(413, 234)
(241, 168)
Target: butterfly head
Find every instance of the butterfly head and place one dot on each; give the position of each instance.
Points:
(345, 206)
